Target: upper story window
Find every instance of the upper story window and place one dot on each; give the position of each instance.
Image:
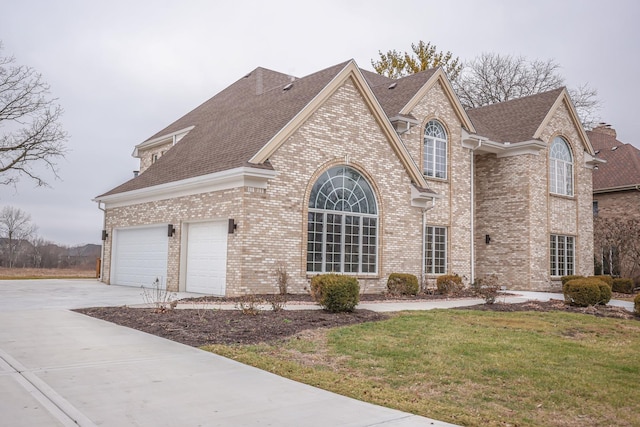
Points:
(561, 167)
(342, 228)
(435, 150)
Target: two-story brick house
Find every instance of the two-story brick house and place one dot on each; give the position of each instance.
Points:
(345, 170)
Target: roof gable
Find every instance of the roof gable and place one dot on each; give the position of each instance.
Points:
(525, 119)
(350, 71)
(400, 97)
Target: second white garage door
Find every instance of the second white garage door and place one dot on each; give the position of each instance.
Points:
(207, 257)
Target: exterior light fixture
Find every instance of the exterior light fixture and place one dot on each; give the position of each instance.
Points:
(171, 230)
(232, 226)
(487, 239)
(104, 235)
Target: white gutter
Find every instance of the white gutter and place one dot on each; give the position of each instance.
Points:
(104, 242)
(473, 210)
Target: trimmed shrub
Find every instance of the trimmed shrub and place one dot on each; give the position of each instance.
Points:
(335, 292)
(565, 279)
(402, 284)
(622, 285)
(487, 288)
(605, 278)
(636, 304)
(583, 292)
(449, 284)
(605, 293)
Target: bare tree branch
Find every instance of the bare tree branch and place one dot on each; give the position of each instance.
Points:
(30, 124)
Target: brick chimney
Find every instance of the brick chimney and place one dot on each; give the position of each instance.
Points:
(606, 129)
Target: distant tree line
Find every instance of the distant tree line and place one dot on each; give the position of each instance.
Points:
(20, 246)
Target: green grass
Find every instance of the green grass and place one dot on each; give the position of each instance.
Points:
(474, 368)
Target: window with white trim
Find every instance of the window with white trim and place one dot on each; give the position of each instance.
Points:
(435, 250)
(561, 167)
(342, 228)
(562, 255)
(435, 150)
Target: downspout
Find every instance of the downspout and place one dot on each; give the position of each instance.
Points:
(104, 242)
(424, 237)
(473, 211)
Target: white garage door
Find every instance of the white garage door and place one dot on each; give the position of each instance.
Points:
(140, 256)
(207, 258)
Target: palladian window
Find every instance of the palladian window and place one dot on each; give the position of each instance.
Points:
(435, 150)
(561, 168)
(342, 230)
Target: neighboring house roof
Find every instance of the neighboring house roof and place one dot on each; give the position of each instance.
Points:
(516, 120)
(622, 168)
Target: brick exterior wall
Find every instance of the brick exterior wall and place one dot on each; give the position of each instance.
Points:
(453, 210)
(514, 206)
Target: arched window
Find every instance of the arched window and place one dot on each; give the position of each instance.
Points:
(435, 150)
(342, 233)
(561, 167)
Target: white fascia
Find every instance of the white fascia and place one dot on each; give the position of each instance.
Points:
(174, 136)
(482, 145)
(218, 181)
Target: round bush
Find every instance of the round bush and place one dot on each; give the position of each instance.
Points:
(623, 285)
(335, 292)
(605, 278)
(605, 293)
(449, 284)
(402, 284)
(565, 279)
(582, 292)
(636, 304)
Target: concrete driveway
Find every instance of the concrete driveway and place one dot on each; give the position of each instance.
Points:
(61, 368)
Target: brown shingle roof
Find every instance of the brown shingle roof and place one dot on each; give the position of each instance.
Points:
(623, 161)
(232, 126)
(393, 99)
(516, 120)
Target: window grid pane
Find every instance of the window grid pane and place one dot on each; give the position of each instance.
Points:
(435, 250)
(435, 150)
(351, 244)
(562, 255)
(560, 168)
(342, 223)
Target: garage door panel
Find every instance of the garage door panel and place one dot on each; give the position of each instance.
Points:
(140, 256)
(207, 258)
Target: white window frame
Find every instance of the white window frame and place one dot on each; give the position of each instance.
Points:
(434, 263)
(435, 146)
(561, 167)
(562, 255)
(344, 231)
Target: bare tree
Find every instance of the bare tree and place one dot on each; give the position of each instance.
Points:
(32, 134)
(15, 230)
(616, 241)
(395, 64)
(492, 78)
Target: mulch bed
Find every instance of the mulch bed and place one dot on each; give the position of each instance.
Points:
(198, 327)
(201, 327)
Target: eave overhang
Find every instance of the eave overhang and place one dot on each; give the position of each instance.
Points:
(218, 181)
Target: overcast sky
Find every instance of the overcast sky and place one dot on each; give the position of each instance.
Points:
(123, 70)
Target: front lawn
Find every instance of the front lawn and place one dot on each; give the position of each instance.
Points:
(472, 368)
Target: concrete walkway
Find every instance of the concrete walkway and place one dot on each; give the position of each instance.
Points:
(61, 368)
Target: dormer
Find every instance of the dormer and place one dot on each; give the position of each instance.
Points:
(151, 150)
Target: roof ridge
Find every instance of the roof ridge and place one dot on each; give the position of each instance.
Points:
(521, 99)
